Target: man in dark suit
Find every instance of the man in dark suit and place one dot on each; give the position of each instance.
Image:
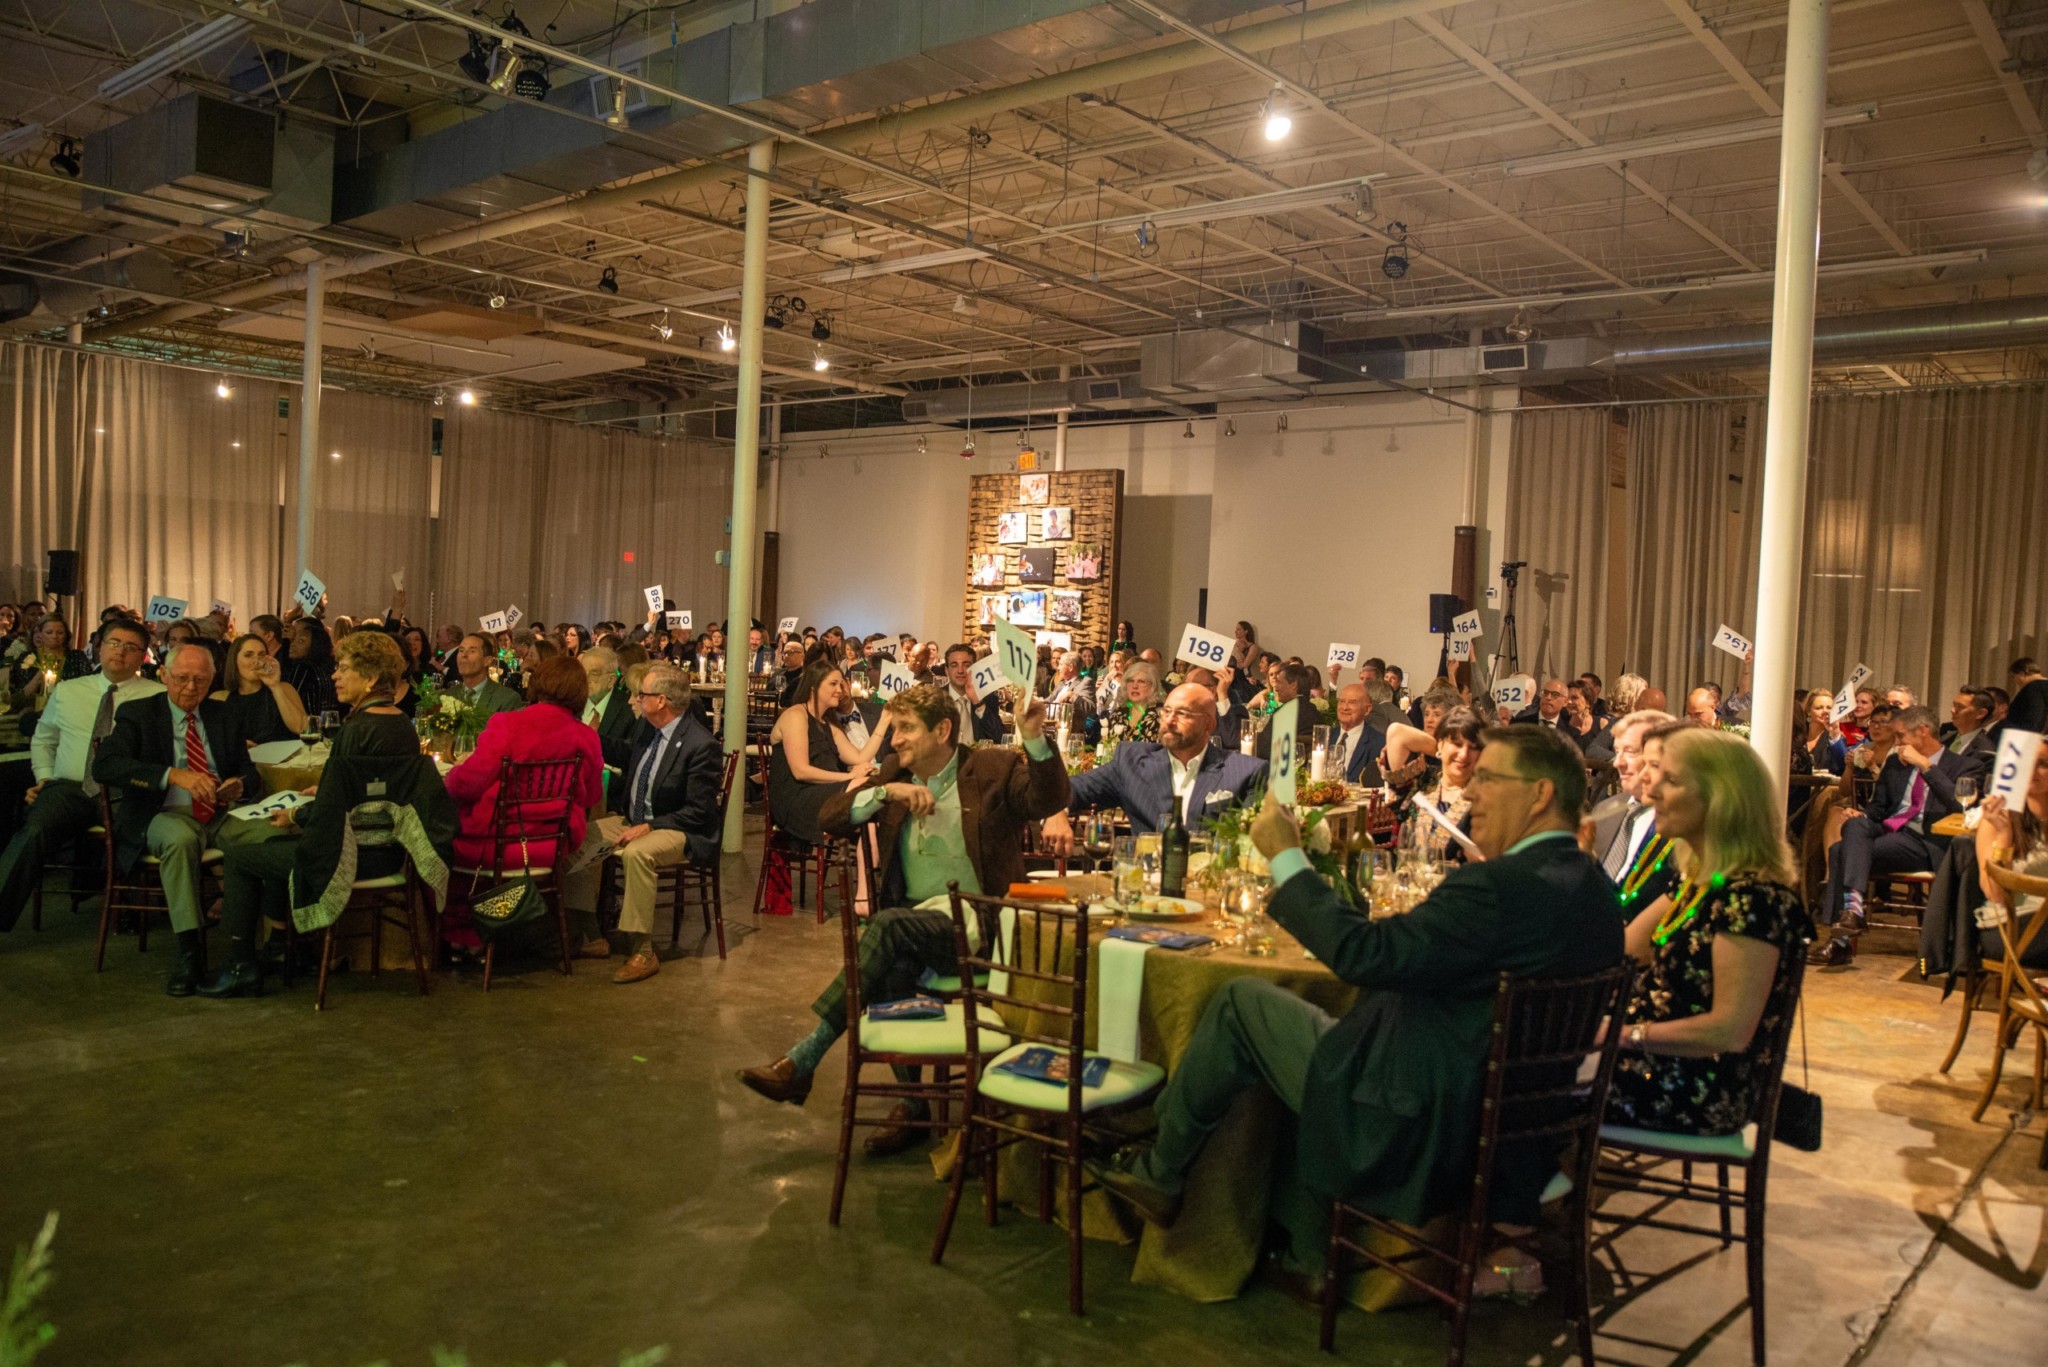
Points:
(473, 682)
(970, 809)
(610, 709)
(977, 718)
(1358, 743)
(177, 761)
(671, 779)
(1968, 732)
(1182, 769)
(1389, 1096)
(1915, 789)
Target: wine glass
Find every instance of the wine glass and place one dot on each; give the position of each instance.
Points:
(330, 724)
(1966, 791)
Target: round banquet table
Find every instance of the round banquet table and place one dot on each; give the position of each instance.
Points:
(1213, 1247)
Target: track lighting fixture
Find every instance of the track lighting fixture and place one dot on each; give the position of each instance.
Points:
(497, 301)
(1519, 329)
(1230, 427)
(617, 118)
(967, 448)
(775, 318)
(662, 328)
(476, 63)
(467, 398)
(440, 398)
(1394, 264)
(65, 162)
(222, 389)
(532, 82)
(1189, 431)
(609, 281)
(819, 362)
(923, 445)
(726, 341)
(1280, 423)
(821, 329)
(1273, 114)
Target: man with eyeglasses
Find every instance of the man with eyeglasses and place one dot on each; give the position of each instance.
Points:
(177, 761)
(65, 801)
(1389, 1095)
(1548, 708)
(1181, 770)
(671, 779)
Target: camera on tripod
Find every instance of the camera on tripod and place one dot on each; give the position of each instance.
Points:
(1511, 571)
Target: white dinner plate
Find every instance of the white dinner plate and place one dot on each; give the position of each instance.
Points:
(1151, 908)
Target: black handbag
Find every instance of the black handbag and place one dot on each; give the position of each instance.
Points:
(1799, 1110)
(507, 905)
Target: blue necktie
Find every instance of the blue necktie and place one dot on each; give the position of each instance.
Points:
(645, 780)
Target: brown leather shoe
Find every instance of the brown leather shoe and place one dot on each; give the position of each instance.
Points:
(1834, 952)
(644, 964)
(597, 948)
(778, 1081)
(899, 1134)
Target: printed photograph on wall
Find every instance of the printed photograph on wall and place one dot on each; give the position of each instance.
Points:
(1056, 524)
(1058, 640)
(988, 570)
(1013, 529)
(1066, 606)
(995, 607)
(1084, 562)
(1038, 564)
(1036, 489)
(1027, 609)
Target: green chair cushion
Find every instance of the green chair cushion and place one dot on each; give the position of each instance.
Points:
(1125, 1082)
(932, 1038)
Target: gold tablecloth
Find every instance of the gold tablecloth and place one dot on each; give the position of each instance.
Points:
(1214, 1246)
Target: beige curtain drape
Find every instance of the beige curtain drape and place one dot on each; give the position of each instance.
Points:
(166, 488)
(372, 484)
(162, 486)
(1692, 470)
(545, 515)
(1557, 521)
(1923, 556)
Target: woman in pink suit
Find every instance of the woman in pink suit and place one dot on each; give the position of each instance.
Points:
(550, 727)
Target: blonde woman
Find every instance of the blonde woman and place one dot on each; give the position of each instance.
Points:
(1717, 951)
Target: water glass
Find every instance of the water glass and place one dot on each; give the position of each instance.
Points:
(1127, 871)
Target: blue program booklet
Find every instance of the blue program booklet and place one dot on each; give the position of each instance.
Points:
(1162, 936)
(908, 1009)
(1050, 1065)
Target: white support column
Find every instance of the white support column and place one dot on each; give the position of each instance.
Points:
(1059, 424)
(1785, 431)
(309, 414)
(746, 461)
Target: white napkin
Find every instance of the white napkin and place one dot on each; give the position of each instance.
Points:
(1119, 983)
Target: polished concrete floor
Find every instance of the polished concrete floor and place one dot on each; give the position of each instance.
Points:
(566, 1170)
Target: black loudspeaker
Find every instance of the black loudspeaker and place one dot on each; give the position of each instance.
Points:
(61, 574)
(1442, 608)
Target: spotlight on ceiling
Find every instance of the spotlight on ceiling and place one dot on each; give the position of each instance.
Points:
(334, 455)
(497, 301)
(777, 317)
(476, 63)
(1280, 423)
(966, 307)
(467, 398)
(726, 341)
(821, 329)
(923, 445)
(65, 162)
(1394, 264)
(819, 361)
(617, 118)
(662, 328)
(1519, 329)
(440, 398)
(222, 389)
(967, 448)
(505, 66)
(532, 82)
(609, 281)
(1230, 427)
(1278, 122)
(1189, 430)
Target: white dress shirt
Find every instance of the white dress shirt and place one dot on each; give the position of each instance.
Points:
(1184, 780)
(63, 739)
(177, 799)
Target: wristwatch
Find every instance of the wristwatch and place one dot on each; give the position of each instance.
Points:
(1635, 1038)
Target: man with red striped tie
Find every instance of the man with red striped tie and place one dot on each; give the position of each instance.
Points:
(175, 763)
